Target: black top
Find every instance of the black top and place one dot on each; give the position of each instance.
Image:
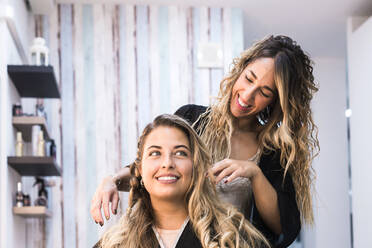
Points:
(273, 171)
(188, 238)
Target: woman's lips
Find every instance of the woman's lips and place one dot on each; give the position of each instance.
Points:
(167, 179)
(241, 105)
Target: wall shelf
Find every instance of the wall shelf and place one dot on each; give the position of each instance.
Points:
(32, 212)
(34, 81)
(24, 124)
(35, 166)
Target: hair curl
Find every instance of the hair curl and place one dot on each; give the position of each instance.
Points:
(216, 224)
(290, 128)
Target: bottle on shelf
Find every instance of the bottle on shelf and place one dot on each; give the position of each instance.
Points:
(19, 145)
(26, 200)
(42, 199)
(40, 109)
(17, 109)
(52, 149)
(19, 195)
(34, 139)
(41, 145)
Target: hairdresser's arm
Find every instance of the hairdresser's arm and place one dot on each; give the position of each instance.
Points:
(107, 192)
(122, 178)
(265, 196)
(266, 200)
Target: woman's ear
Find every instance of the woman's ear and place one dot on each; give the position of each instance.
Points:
(139, 167)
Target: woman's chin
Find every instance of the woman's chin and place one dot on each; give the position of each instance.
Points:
(170, 197)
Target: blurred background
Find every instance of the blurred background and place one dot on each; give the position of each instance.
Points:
(117, 64)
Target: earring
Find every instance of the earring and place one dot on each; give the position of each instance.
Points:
(141, 182)
(264, 116)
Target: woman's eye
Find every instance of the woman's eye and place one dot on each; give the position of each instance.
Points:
(181, 153)
(265, 95)
(154, 153)
(249, 80)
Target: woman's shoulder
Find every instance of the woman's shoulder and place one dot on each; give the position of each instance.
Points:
(270, 162)
(271, 167)
(191, 112)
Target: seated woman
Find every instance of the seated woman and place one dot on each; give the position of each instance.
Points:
(171, 201)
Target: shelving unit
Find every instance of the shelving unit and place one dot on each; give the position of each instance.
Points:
(32, 212)
(37, 82)
(24, 124)
(34, 81)
(35, 166)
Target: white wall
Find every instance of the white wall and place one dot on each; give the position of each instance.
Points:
(331, 202)
(13, 229)
(360, 77)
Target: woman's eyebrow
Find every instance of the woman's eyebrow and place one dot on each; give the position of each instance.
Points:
(254, 75)
(153, 146)
(159, 147)
(182, 146)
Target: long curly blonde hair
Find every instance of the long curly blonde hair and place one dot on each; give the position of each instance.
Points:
(290, 127)
(216, 224)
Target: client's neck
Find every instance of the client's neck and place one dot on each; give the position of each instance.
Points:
(169, 215)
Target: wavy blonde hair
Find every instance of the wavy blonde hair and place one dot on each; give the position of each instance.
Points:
(290, 127)
(215, 224)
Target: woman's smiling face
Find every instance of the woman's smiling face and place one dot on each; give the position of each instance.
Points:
(254, 90)
(166, 166)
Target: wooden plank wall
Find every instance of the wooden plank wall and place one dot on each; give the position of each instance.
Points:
(118, 67)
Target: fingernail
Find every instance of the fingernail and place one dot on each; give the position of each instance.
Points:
(225, 181)
(96, 222)
(107, 217)
(114, 211)
(101, 224)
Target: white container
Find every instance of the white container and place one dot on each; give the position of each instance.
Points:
(19, 145)
(41, 145)
(39, 52)
(34, 138)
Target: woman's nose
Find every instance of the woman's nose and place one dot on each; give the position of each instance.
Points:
(168, 161)
(247, 96)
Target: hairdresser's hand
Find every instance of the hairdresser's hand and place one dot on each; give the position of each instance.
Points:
(106, 192)
(229, 169)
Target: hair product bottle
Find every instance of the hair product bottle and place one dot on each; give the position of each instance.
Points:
(41, 145)
(42, 199)
(17, 109)
(19, 145)
(52, 149)
(19, 195)
(40, 109)
(26, 200)
(34, 139)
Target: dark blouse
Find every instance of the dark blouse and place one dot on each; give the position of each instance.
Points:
(271, 168)
(188, 238)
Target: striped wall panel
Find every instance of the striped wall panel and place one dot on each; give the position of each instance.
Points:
(83, 62)
(68, 128)
(216, 37)
(164, 59)
(118, 67)
(154, 61)
(204, 80)
(54, 239)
